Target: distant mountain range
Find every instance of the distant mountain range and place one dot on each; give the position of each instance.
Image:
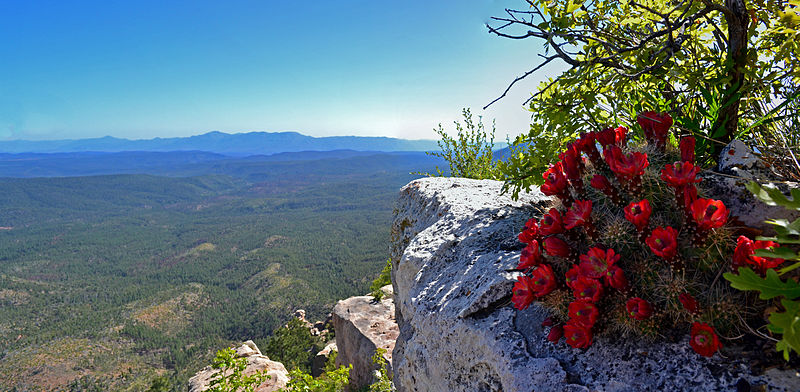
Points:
(237, 144)
(196, 163)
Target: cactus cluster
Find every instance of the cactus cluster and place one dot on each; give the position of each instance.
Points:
(630, 246)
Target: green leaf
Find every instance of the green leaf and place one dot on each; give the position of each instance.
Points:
(769, 287)
(780, 253)
(771, 195)
(786, 228)
(571, 7)
(789, 268)
(782, 240)
(788, 324)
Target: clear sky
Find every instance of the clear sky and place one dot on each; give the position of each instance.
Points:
(143, 69)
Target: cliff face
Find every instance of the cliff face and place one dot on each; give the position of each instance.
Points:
(454, 248)
(362, 326)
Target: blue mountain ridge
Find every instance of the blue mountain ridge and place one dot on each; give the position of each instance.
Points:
(236, 144)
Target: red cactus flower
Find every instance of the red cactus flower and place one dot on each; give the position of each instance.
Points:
(595, 263)
(572, 276)
(551, 223)
(744, 249)
(687, 149)
(530, 232)
(548, 322)
(555, 246)
(664, 242)
(639, 214)
(555, 334)
(583, 313)
(689, 303)
(586, 139)
(579, 214)
(639, 309)
(543, 280)
(680, 174)
(577, 336)
(586, 143)
(601, 183)
(615, 278)
(655, 126)
(689, 196)
(523, 292)
(709, 214)
(526, 236)
(571, 162)
(611, 136)
(587, 288)
(531, 256)
(744, 255)
(555, 182)
(704, 340)
(626, 167)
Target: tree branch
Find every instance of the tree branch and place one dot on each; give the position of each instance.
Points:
(525, 75)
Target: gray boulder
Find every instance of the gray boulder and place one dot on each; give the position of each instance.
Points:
(256, 362)
(362, 326)
(454, 247)
(738, 165)
(321, 358)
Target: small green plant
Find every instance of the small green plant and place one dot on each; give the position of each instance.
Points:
(382, 280)
(160, 384)
(469, 154)
(765, 255)
(330, 364)
(231, 377)
(293, 345)
(384, 383)
(335, 380)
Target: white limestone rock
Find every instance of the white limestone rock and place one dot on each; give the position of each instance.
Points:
(362, 326)
(738, 166)
(454, 245)
(256, 362)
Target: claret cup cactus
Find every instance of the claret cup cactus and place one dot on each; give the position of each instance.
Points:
(630, 246)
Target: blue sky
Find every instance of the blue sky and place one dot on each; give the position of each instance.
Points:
(143, 69)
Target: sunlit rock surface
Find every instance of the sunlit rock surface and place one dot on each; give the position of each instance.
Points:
(454, 247)
(362, 326)
(256, 362)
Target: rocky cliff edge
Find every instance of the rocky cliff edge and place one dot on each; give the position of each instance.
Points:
(454, 248)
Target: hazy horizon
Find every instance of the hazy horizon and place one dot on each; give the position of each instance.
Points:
(208, 132)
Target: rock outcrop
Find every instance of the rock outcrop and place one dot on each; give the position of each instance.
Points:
(256, 362)
(453, 252)
(362, 326)
(321, 358)
(738, 165)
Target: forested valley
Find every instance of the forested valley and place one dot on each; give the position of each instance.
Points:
(118, 279)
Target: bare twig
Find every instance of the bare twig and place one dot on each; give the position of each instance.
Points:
(523, 76)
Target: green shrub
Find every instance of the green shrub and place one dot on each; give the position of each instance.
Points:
(716, 86)
(331, 381)
(293, 345)
(384, 383)
(382, 280)
(469, 154)
(231, 377)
